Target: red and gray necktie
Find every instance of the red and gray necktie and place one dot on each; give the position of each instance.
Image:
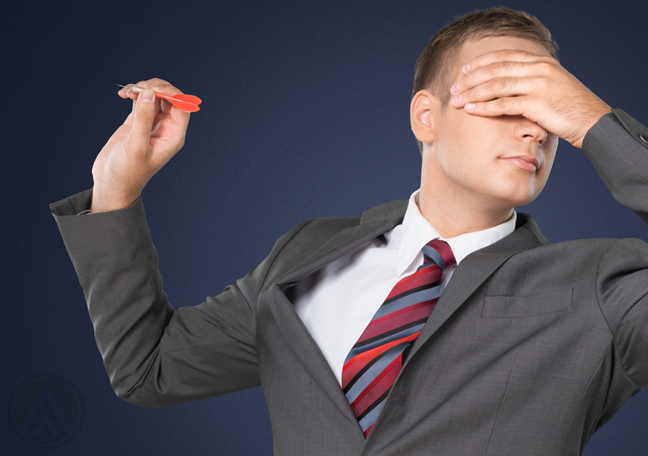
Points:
(375, 360)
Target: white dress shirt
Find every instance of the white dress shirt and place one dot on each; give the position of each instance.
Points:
(339, 302)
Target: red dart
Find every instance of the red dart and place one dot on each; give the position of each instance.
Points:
(187, 103)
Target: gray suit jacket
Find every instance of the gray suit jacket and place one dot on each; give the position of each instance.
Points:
(531, 348)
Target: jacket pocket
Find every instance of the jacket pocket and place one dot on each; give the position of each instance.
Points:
(526, 306)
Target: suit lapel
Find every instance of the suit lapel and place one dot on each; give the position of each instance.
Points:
(475, 269)
(372, 224)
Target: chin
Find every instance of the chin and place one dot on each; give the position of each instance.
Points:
(517, 198)
(523, 201)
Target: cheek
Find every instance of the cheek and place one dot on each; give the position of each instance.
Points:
(479, 134)
(465, 138)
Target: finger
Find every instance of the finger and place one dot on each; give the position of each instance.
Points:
(510, 106)
(162, 86)
(148, 84)
(138, 140)
(494, 70)
(167, 89)
(142, 85)
(157, 84)
(158, 105)
(507, 69)
(127, 92)
(500, 88)
(165, 106)
(158, 81)
(502, 55)
(123, 92)
(132, 94)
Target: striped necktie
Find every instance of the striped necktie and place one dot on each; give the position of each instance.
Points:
(372, 365)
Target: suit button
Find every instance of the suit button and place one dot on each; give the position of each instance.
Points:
(644, 138)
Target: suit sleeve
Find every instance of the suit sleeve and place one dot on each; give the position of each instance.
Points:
(155, 355)
(617, 146)
(622, 293)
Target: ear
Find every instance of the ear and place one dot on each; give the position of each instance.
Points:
(422, 115)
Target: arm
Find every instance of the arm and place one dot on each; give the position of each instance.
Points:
(155, 355)
(617, 146)
(620, 156)
(622, 294)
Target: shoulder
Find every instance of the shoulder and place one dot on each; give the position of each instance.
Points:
(603, 247)
(622, 257)
(311, 235)
(317, 231)
(593, 250)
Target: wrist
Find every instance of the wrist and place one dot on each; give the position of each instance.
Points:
(593, 119)
(104, 202)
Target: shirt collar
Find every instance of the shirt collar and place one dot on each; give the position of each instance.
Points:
(416, 232)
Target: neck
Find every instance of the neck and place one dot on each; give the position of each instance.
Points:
(454, 221)
(453, 214)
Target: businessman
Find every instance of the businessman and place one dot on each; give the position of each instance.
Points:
(446, 324)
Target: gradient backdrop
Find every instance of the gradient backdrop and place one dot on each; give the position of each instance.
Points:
(305, 114)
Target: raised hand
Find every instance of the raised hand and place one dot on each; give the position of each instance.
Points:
(151, 135)
(515, 82)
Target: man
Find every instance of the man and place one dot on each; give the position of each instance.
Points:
(524, 347)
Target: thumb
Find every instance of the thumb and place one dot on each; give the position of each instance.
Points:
(140, 135)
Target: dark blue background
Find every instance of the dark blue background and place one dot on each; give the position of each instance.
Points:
(304, 114)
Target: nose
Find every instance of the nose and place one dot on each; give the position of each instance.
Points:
(525, 129)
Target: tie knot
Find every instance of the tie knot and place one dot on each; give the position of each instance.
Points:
(438, 252)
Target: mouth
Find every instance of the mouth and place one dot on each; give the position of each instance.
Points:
(526, 162)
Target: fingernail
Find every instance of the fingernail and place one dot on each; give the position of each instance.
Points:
(147, 95)
(456, 99)
(455, 88)
(466, 68)
(470, 105)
